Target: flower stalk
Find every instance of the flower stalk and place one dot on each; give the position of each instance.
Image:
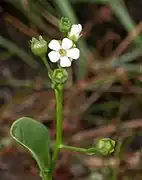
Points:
(49, 70)
(58, 93)
(72, 148)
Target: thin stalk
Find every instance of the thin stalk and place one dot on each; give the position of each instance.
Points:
(46, 176)
(72, 148)
(49, 70)
(58, 93)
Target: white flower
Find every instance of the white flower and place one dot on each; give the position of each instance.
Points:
(75, 32)
(63, 52)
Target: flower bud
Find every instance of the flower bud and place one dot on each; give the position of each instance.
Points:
(39, 46)
(105, 146)
(59, 76)
(65, 25)
(75, 32)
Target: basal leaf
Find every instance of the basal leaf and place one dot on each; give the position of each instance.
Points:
(34, 136)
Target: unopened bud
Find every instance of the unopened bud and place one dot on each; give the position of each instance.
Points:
(65, 25)
(39, 46)
(59, 76)
(105, 146)
(75, 32)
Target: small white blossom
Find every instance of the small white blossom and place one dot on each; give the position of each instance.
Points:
(75, 32)
(64, 52)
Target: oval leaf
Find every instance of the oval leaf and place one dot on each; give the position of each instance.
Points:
(34, 136)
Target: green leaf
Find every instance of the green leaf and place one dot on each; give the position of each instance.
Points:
(34, 136)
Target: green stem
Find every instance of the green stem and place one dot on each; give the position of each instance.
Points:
(72, 148)
(49, 70)
(46, 176)
(58, 93)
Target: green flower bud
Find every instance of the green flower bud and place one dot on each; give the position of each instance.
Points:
(105, 146)
(65, 25)
(39, 46)
(59, 76)
(75, 32)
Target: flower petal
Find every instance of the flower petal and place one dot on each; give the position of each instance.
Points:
(75, 29)
(67, 43)
(54, 45)
(65, 62)
(54, 56)
(80, 27)
(73, 53)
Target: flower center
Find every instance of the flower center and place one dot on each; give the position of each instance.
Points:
(60, 75)
(62, 52)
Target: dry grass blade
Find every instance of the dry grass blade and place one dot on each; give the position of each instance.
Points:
(27, 58)
(124, 44)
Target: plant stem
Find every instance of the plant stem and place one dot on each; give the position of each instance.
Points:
(58, 93)
(46, 176)
(49, 70)
(72, 148)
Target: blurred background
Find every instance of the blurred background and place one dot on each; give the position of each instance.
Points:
(102, 98)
